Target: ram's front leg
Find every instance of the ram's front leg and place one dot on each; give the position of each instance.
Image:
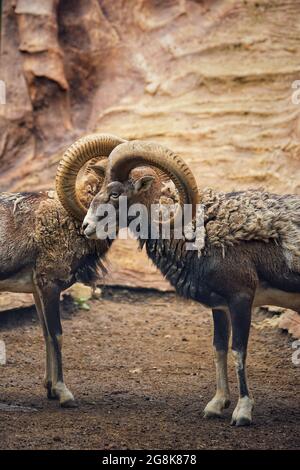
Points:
(49, 299)
(221, 400)
(48, 345)
(240, 312)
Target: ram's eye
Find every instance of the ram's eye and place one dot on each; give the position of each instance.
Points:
(114, 195)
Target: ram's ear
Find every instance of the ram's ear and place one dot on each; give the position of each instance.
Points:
(143, 184)
(99, 170)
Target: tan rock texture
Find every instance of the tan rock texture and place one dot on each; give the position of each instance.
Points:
(290, 321)
(211, 79)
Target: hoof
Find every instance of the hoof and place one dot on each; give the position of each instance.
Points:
(209, 414)
(242, 415)
(66, 399)
(69, 404)
(242, 421)
(215, 408)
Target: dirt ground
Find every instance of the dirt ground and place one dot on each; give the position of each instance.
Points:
(141, 367)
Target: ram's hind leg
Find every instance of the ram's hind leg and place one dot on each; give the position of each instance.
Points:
(49, 297)
(221, 400)
(240, 311)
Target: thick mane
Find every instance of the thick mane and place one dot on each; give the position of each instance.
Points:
(15, 200)
(252, 215)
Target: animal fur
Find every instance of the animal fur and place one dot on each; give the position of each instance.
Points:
(36, 232)
(252, 215)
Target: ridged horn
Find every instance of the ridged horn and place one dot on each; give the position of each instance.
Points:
(75, 157)
(131, 154)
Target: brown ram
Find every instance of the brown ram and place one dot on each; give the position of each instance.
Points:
(43, 250)
(250, 256)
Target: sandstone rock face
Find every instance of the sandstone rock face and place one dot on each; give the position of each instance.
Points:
(210, 79)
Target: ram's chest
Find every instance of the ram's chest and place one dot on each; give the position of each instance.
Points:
(60, 257)
(175, 265)
(58, 237)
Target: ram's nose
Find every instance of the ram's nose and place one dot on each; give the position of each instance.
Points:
(89, 229)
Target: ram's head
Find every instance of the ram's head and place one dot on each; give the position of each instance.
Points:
(143, 173)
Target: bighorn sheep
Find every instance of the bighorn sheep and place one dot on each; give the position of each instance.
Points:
(251, 254)
(43, 250)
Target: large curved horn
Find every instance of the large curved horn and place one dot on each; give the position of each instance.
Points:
(79, 153)
(136, 153)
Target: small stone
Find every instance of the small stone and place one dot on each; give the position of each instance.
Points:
(137, 370)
